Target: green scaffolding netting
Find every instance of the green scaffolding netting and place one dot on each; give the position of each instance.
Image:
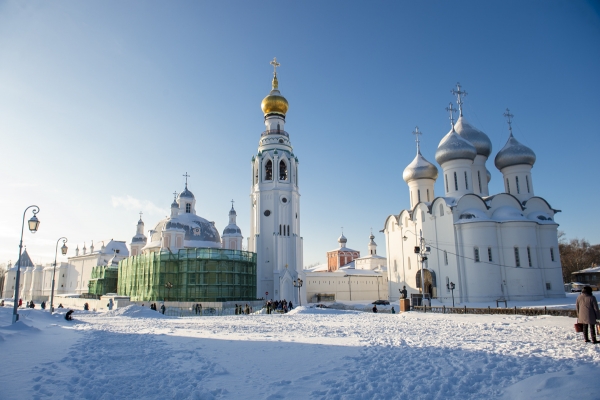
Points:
(103, 280)
(197, 274)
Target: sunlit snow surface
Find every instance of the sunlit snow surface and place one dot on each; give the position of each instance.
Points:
(135, 353)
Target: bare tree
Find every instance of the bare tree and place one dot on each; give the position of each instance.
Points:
(577, 254)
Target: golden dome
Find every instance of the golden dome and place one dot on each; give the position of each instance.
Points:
(274, 102)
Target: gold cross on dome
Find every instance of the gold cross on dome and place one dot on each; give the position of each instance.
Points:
(275, 64)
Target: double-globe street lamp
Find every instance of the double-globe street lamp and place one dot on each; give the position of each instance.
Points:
(298, 283)
(63, 250)
(451, 287)
(33, 225)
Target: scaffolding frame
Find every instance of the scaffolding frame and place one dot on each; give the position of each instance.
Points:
(195, 274)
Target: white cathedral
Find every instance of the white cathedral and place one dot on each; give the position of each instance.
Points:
(275, 205)
(489, 247)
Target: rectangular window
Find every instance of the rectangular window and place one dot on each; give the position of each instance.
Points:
(476, 251)
(517, 260)
(507, 186)
(490, 254)
(518, 187)
(529, 256)
(446, 179)
(479, 180)
(548, 286)
(419, 195)
(455, 182)
(447, 284)
(428, 195)
(527, 182)
(466, 181)
(445, 257)
(552, 253)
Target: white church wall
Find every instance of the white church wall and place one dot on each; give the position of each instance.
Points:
(346, 287)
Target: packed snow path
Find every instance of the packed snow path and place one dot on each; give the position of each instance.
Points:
(308, 353)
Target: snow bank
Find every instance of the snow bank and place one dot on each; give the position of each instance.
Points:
(135, 311)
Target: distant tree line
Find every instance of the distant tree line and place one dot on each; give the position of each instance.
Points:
(576, 254)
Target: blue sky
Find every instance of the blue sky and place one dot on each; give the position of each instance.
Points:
(105, 105)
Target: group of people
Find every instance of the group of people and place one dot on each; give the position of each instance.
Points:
(281, 306)
(155, 308)
(240, 309)
(31, 304)
(198, 309)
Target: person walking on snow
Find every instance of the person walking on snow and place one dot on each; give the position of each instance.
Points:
(587, 312)
(162, 309)
(375, 308)
(110, 304)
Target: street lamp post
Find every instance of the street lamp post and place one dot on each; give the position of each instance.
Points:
(33, 225)
(298, 283)
(168, 286)
(451, 286)
(63, 250)
(421, 250)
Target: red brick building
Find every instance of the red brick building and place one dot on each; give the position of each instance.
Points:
(341, 256)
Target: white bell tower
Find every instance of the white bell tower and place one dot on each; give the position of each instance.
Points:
(275, 206)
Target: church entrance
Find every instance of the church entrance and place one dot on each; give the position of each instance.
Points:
(430, 282)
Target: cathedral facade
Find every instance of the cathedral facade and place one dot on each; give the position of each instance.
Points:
(275, 205)
(469, 244)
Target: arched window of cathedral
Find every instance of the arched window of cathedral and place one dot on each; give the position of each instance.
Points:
(441, 209)
(552, 253)
(288, 230)
(280, 229)
(455, 182)
(527, 182)
(446, 180)
(447, 284)
(188, 208)
(428, 195)
(445, 257)
(507, 186)
(466, 181)
(518, 187)
(418, 195)
(490, 254)
(517, 258)
(479, 180)
(269, 171)
(283, 171)
(476, 254)
(529, 256)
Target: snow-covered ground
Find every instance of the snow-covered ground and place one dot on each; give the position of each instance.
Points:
(136, 353)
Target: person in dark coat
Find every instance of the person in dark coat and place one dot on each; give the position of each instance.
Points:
(68, 315)
(31, 304)
(587, 313)
(86, 307)
(375, 308)
(162, 309)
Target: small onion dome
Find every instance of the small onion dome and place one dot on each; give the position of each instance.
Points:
(419, 168)
(186, 193)
(480, 140)
(514, 153)
(174, 204)
(232, 211)
(342, 239)
(274, 103)
(454, 147)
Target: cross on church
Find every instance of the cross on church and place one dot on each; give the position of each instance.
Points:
(141, 214)
(186, 176)
(417, 133)
(232, 203)
(460, 94)
(451, 110)
(509, 116)
(275, 64)
(175, 194)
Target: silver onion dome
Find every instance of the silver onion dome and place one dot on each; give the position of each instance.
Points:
(480, 140)
(342, 239)
(419, 168)
(454, 147)
(514, 153)
(186, 193)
